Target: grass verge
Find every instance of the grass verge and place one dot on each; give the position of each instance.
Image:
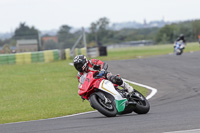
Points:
(38, 91)
(146, 51)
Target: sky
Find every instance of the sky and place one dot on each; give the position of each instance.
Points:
(51, 14)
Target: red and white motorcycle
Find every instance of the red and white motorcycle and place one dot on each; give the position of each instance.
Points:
(108, 99)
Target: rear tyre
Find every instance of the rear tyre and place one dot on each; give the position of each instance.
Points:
(108, 109)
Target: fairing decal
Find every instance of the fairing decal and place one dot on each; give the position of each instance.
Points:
(105, 88)
(120, 105)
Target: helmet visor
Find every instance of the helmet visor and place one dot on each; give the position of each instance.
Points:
(79, 67)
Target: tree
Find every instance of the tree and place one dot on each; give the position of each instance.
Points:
(6, 49)
(196, 29)
(25, 32)
(93, 32)
(166, 34)
(65, 38)
(99, 31)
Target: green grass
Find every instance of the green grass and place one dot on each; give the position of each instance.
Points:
(146, 51)
(46, 90)
(37, 91)
(142, 90)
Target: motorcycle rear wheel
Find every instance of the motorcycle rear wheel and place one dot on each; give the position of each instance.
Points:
(107, 109)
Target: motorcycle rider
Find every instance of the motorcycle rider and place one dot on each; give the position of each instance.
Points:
(180, 38)
(83, 65)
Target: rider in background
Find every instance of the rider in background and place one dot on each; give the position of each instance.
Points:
(83, 65)
(180, 38)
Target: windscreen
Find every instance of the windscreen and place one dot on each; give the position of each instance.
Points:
(82, 78)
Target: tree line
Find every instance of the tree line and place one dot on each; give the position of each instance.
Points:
(99, 33)
(190, 29)
(167, 34)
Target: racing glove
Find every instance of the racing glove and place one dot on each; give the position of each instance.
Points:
(102, 73)
(97, 67)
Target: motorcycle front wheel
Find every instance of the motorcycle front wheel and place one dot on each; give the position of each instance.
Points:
(104, 106)
(179, 51)
(142, 104)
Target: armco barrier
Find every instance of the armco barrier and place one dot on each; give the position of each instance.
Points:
(30, 57)
(40, 56)
(27, 58)
(11, 59)
(4, 59)
(19, 58)
(56, 55)
(48, 56)
(83, 51)
(79, 51)
(67, 53)
(35, 57)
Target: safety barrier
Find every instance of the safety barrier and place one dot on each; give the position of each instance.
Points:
(41, 56)
(30, 57)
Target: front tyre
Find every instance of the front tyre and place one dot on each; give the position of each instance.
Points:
(142, 104)
(105, 107)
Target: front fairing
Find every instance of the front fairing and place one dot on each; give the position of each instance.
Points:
(179, 45)
(108, 87)
(85, 82)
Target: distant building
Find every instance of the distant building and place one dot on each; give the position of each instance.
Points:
(27, 45)
(49, 38)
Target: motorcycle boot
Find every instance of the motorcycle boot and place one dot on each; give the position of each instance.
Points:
(116, 79)
(127, 87)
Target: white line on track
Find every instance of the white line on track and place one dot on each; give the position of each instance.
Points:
(186, 131)
(71, 64)
(153, 92)
(52, 118)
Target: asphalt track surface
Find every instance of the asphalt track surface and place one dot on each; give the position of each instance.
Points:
(175, 107)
